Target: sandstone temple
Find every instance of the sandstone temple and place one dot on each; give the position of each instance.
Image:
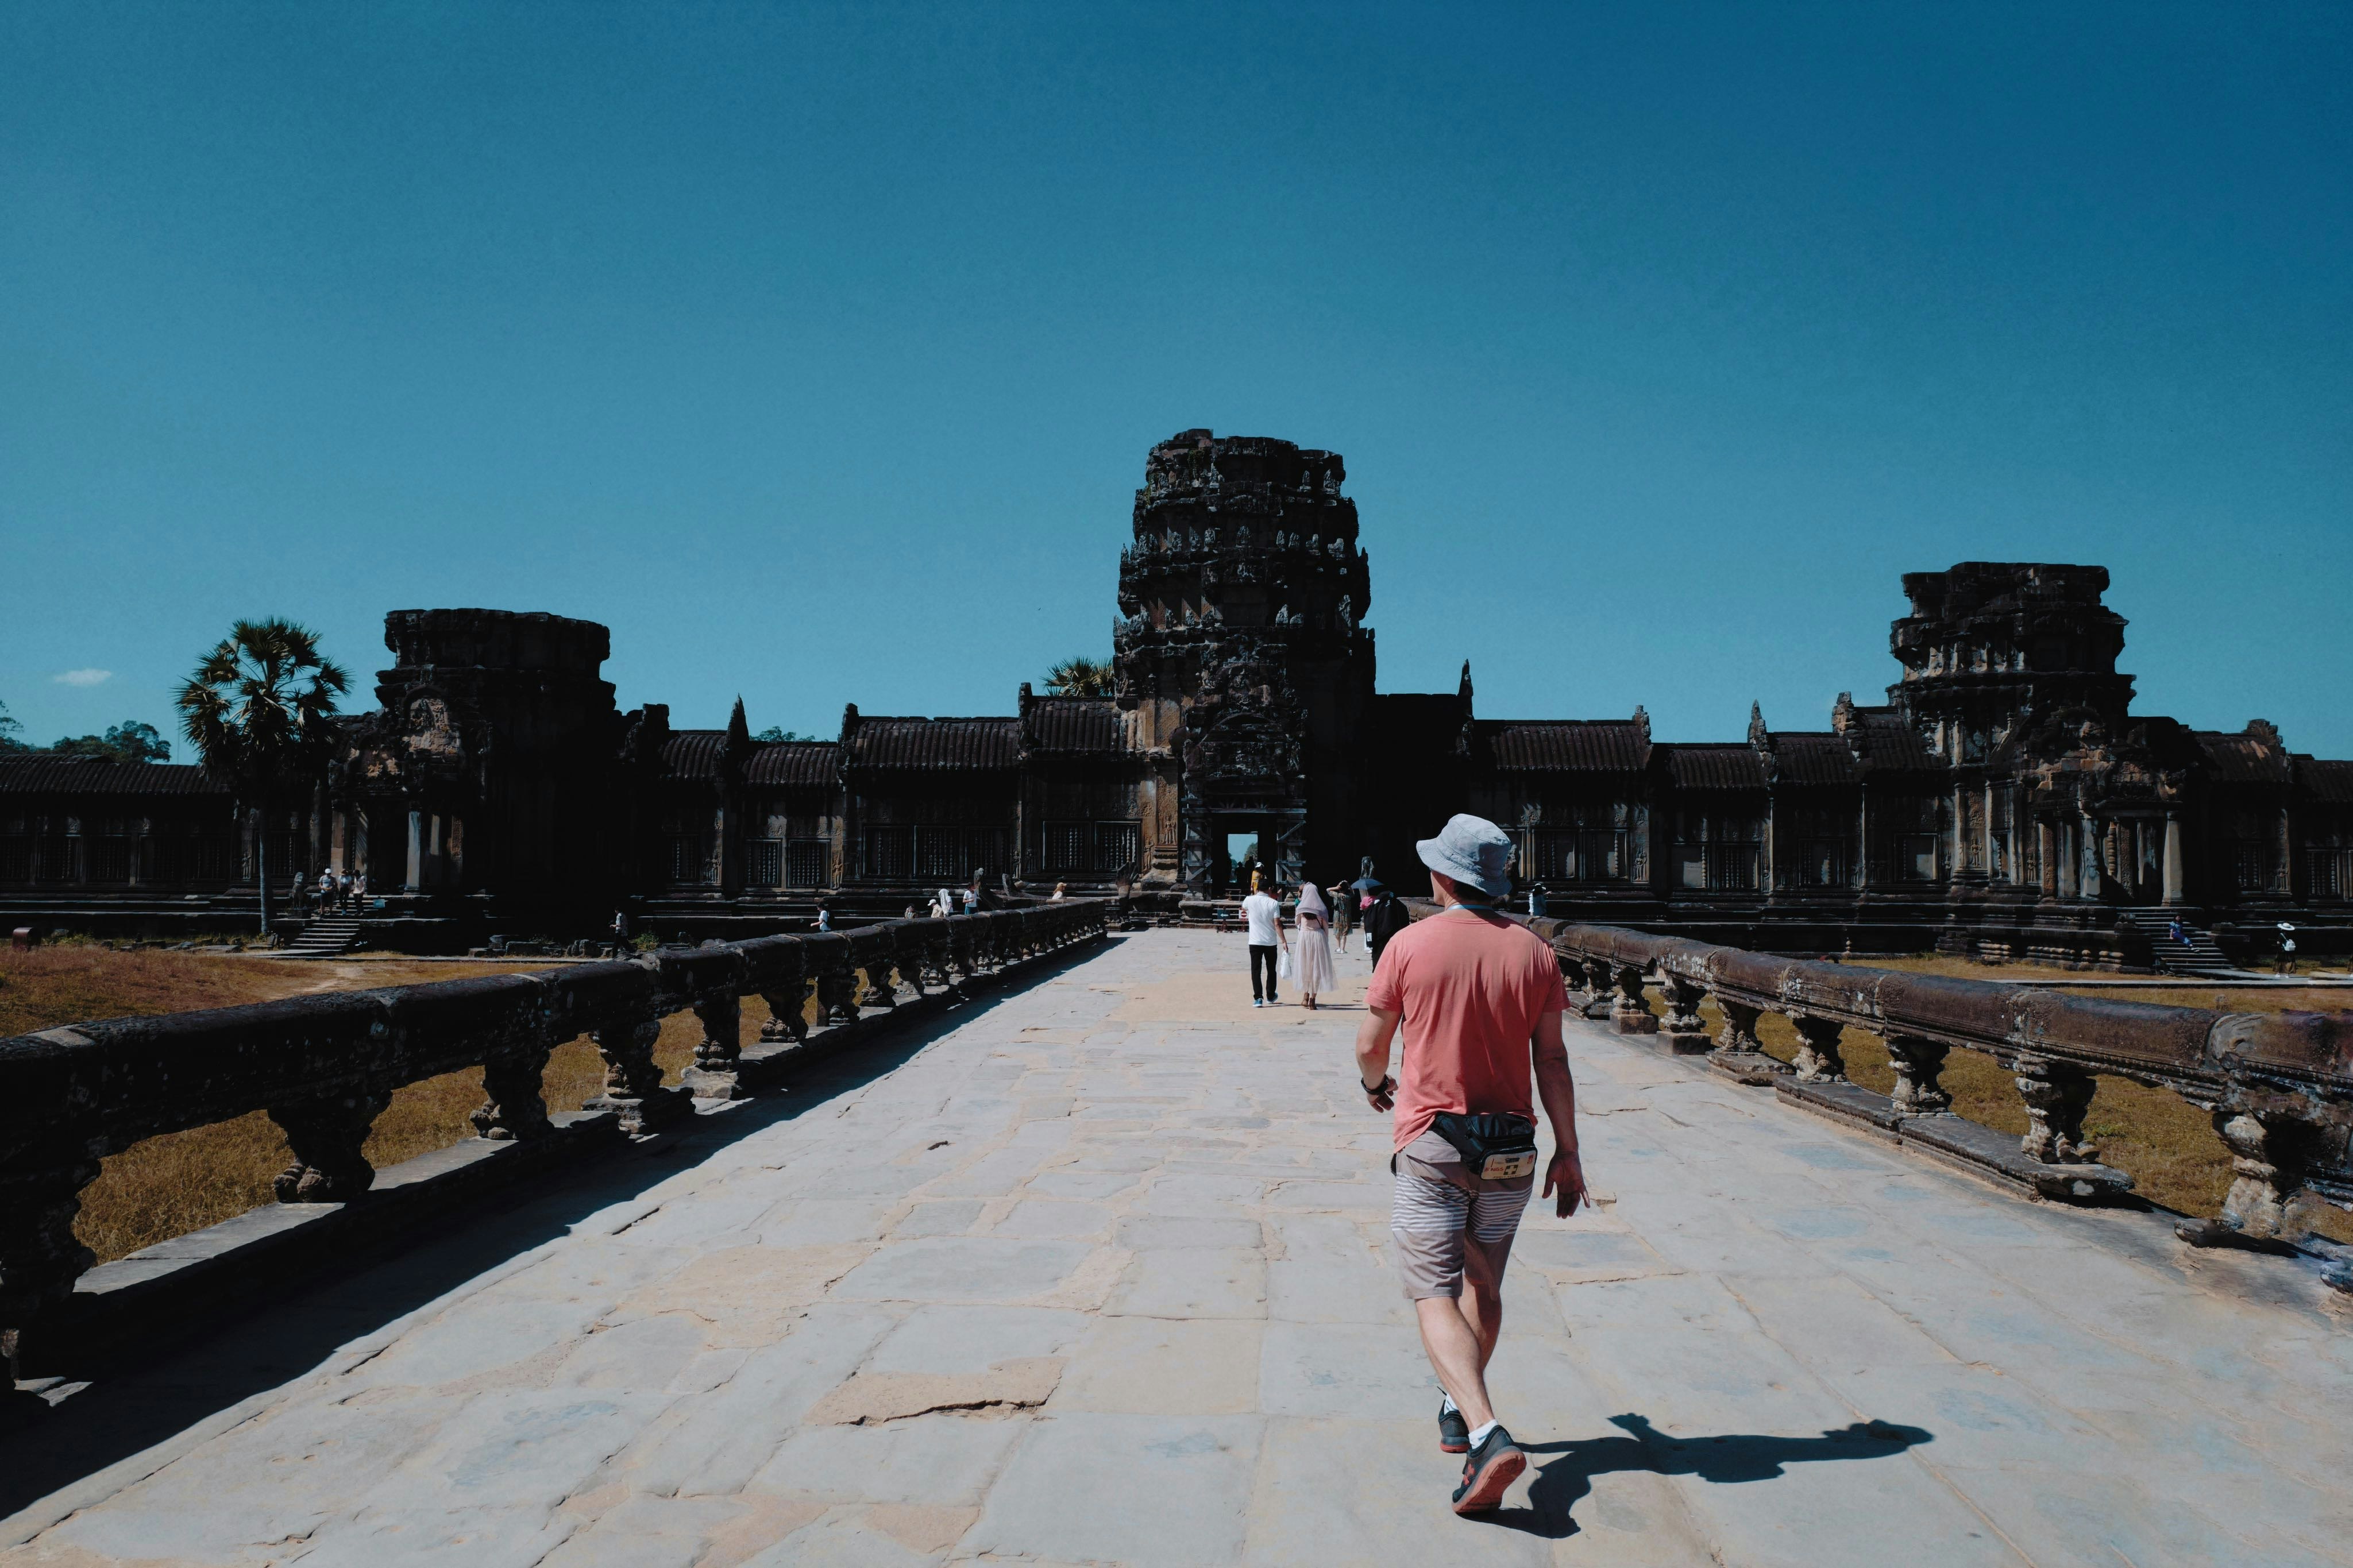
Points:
(2003, 800)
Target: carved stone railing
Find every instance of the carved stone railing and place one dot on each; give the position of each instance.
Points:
(324, 1067)
(2276, 1084)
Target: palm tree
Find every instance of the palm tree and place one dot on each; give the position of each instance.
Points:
(259, 710)
(1081, 677)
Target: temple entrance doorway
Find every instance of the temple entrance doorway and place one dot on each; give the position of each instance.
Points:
(1239, 855)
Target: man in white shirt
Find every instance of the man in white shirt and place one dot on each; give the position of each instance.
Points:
(1265, 918)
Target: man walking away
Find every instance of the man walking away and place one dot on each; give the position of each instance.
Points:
(1383, 920)
(1480, 998)
(1265, 918)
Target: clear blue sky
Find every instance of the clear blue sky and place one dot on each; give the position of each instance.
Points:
(817, 350)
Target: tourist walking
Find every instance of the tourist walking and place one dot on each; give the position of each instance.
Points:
(1312, 957)
(1343, 906)
(1383, 920)
(1480, 998)
(1264, 918)
(972, 896)
(945, 903)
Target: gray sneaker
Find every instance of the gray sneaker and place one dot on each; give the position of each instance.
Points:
(1489, 1473)
(1453, 1432)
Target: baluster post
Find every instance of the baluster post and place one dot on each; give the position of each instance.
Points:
(633, 1085)
(327, 1136)
(1632, 1014)
(40, 1256)
(1918, 1066)
(2056, 1098)
(787, 1012)
(714, 1075)
(1739, 1031)
(1820, 1059)
(1684, 1032)
(516, 1109)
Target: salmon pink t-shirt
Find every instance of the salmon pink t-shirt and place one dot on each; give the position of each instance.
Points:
(1470, 988)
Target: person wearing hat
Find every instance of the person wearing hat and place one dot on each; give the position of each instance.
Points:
(1479, 998)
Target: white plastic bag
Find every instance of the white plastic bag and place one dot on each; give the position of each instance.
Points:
(1282, 964)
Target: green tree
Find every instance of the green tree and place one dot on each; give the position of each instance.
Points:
(1079, 677)
(259, 710)
(770, 735)
(11, 732)
(129, 742)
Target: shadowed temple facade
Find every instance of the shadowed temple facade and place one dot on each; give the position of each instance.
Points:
(2003, 800)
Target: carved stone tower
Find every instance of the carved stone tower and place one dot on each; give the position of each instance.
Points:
(1241, 647)
(1991, 650)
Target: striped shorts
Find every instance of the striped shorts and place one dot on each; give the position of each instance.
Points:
(1437, 1205)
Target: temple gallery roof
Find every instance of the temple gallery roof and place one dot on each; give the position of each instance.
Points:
(935, 744)
(2244, 758)
(1596, 745)
(1807, 757)
(1716, 767)
(92, 775)
(1074, 724)
(2327, 781)
(785, 763)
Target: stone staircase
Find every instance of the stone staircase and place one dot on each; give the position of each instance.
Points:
(326, 936)
(2198, 956)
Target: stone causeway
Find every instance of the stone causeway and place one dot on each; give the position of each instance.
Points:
(1094, 1270)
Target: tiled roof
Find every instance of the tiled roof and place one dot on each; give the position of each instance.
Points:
(1716, 767)
(2243, 759)
(1808, 758)
(2328, 782)
(695, 754)
(1595, 745)
(84, 776)
(790, 762)
(1076, 724)
(936, 744)
(1893, 747)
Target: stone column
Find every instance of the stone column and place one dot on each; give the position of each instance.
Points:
(2056, 1098)
(2071, 858)
(516, 1107)
(2174, 866)
(414, 877)
(787, 1012)
(1819, 1059)
(2046, 857)
(2265, 1171)
(1684, 1032)
(1739, 1031)
(1918, 1064)
(714, 1075)
(1631, 1013)
(633, 1079)
(40, 1257)
(327, 1136)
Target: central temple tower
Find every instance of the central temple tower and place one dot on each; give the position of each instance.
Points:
(1241, 647)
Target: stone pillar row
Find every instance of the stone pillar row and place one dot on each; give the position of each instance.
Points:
(48, 1161)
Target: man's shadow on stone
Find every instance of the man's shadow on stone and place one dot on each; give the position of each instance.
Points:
(1560, 1484)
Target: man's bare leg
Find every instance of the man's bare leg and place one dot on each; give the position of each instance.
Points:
(1459, 1334)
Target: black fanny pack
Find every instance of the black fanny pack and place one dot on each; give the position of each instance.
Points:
(1496, 1147)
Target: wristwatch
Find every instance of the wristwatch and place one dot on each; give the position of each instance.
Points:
(1384, 1087)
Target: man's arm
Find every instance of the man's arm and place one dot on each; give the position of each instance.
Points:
(1373, 1037)
(1565, 1174)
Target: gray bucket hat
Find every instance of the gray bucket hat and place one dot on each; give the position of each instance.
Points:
(1470, 849)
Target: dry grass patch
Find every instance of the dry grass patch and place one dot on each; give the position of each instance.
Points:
(167, 1186)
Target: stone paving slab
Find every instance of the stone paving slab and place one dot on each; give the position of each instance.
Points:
(1098, 1272)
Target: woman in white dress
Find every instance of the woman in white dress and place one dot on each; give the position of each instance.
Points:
(1313, 922)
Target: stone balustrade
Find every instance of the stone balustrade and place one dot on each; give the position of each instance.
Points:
(324, 1067)
(2279, 1085)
